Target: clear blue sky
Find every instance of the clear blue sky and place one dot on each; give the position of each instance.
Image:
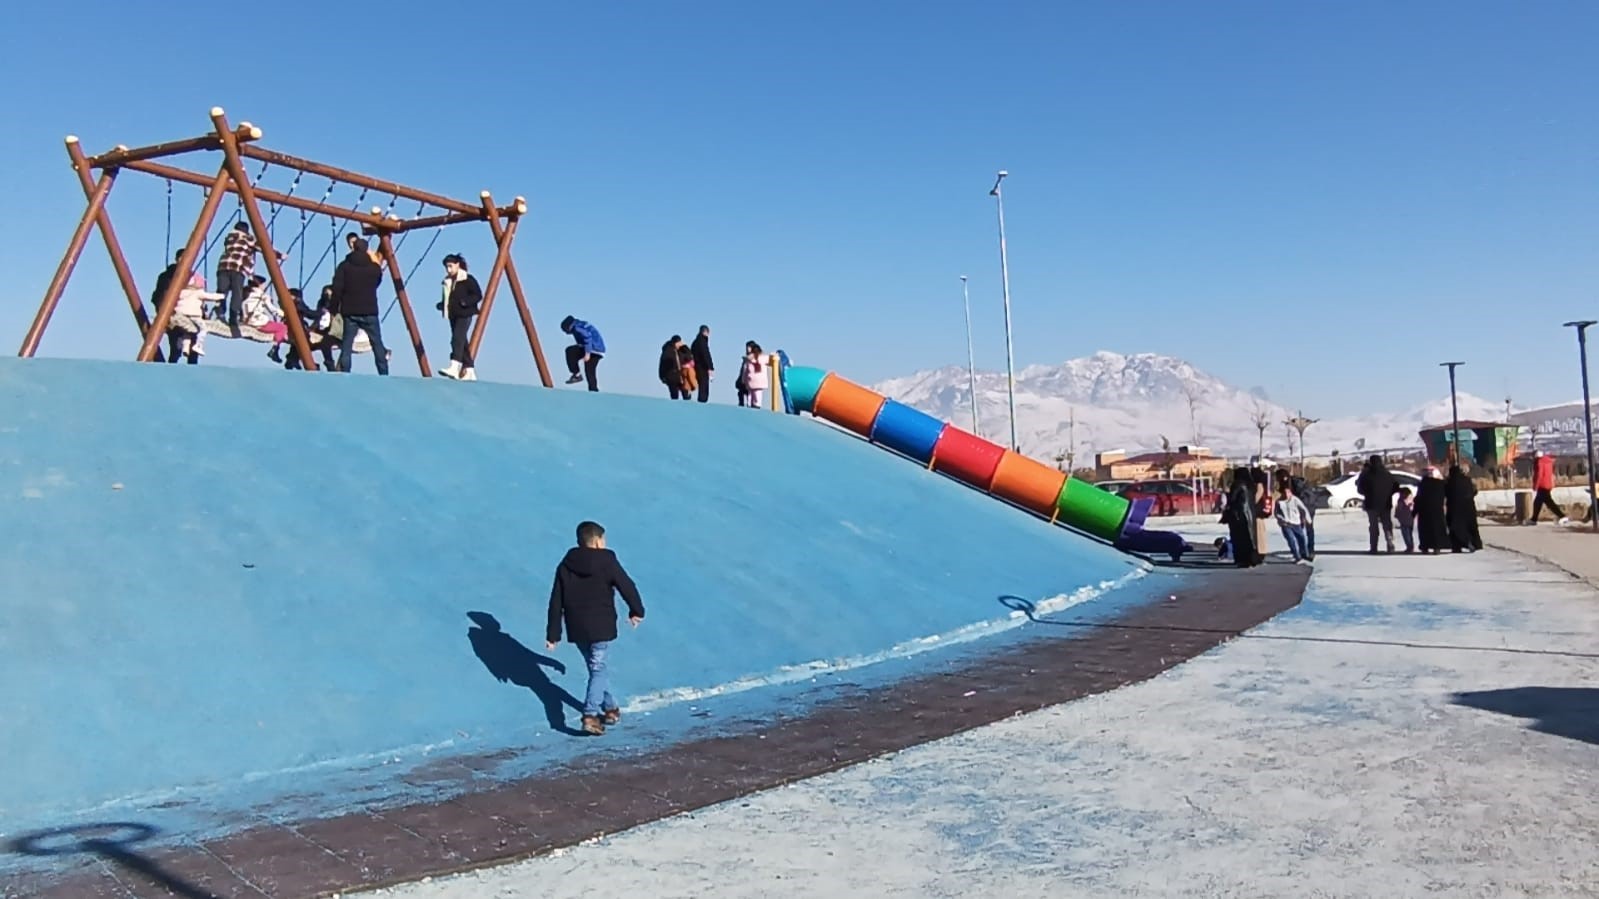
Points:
(1401, 182)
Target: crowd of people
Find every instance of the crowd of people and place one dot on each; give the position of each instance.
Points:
(1441, 514)
(349, 307)
(687, 370)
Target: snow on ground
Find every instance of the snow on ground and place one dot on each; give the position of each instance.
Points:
(1324, 755)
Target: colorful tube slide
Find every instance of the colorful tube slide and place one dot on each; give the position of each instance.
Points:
(972, 460)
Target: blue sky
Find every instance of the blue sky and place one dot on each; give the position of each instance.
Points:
(1323, 200)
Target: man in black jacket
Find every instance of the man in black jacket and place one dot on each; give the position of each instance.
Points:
(582, 597)
(355, 298)
(1377, 488)
(702, 361)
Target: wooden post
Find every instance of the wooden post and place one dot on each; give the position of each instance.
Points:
(112, 245)
(69, 261)
(386, 246)
(493, 284)
(246, 192)
(522, 308)
(191, 252)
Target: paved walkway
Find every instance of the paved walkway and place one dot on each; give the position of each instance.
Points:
(1419, 726)
(1574, 548)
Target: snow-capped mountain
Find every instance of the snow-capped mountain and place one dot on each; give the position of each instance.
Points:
(1132, 402)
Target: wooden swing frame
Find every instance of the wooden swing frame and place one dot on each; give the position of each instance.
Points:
(236, 145)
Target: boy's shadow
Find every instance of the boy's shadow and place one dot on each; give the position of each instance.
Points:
(511, 662)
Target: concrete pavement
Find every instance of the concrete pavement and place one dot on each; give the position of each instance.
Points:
(1418, 726)
(1574, 548)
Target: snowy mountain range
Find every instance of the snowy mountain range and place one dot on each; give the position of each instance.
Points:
(1132, 402)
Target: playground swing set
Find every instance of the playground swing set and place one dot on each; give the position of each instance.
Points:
(238, 144)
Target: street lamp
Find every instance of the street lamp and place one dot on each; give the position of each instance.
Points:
(971, 359)
(1454, 406)
(1004, 284)
(1587, 412)
(1299, 423)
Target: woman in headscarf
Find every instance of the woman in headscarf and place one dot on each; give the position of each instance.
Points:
(1462, 496)
(1239, 516)
(1265, 507)
(1432, 525)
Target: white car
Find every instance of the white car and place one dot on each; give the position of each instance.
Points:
(1340, 492)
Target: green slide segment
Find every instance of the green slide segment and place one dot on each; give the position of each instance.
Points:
(1088, 508)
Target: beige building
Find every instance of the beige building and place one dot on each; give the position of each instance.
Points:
(1183, 462)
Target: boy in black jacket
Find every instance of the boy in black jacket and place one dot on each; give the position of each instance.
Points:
(582, 597)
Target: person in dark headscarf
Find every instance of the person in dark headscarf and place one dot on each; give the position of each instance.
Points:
(1432, 525)
(1462, 496)
(1239, 516)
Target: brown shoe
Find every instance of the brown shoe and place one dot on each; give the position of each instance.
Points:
(592, 726)
(612, 716)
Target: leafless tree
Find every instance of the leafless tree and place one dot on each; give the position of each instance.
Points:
(1192, 394)
(1260, 417)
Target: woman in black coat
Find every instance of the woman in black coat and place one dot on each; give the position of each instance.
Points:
(1462, 496)
(670, 372)
(1239, 516)
(1432, 524)
(462, 296)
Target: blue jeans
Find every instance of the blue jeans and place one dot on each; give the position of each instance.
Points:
(354, 324)
(598, 699)
(232, 285)
(1294, 534)
(1310, 536)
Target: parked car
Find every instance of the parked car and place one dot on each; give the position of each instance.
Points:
(1111, 486)
(1173, 497)
(1340, 492)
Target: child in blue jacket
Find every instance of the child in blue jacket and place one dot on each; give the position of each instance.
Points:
(587, 348)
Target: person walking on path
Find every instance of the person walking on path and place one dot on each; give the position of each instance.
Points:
(460, 305)
(1405, 517)
(1462, 496)
(1292, 514)
(1264, 508)
(355, 299)
(702, 362)
(587, 349)
(1376, 485)
(1543, 483)
(1239, 516)
(583, 599)
(1301, 489)
(1432, 524)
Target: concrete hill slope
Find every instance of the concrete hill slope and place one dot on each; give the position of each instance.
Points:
(220, 588)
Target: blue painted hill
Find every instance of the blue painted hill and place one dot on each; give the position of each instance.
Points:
(225, 592)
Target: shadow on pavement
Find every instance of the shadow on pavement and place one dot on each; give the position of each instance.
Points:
(1570, 712)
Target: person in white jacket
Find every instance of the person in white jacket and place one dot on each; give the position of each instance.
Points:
(262, 312)
(755, 374)
(185, 330)
(1292, 515)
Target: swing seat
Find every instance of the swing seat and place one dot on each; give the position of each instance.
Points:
(220, 329)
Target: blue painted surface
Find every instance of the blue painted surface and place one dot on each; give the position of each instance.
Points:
(243, 590)
(906, 430)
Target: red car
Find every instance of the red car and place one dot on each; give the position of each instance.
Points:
(1174, 497)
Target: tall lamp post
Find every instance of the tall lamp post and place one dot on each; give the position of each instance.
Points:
(1299, 423)
(1004, 286)
(971, 358)
(1454, 407)
(1587, 413)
